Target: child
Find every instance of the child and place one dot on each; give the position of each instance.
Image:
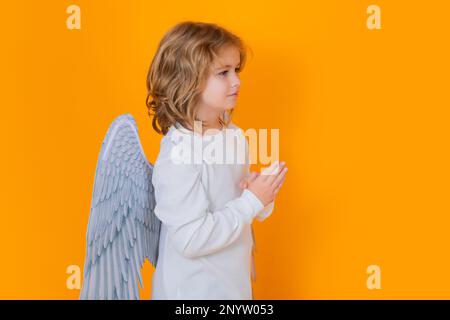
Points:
(205, 248)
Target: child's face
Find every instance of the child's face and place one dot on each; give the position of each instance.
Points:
(222, 83)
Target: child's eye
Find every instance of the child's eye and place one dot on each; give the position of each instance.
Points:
(224, 72)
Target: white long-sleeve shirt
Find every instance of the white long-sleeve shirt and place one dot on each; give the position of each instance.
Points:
(205, 249)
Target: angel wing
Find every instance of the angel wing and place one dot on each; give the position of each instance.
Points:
(123, 229)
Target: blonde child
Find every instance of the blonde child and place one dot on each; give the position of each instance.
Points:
(206, 206)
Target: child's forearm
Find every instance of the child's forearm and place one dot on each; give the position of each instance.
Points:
(212, 231)
(184, 207)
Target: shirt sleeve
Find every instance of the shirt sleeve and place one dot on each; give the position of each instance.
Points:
(264, 213)
(183, 206)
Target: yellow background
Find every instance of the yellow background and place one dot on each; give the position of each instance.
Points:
(364, 127)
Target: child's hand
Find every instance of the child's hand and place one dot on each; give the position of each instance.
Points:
(267, 184)
(244, 183)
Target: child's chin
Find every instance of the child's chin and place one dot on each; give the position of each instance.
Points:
(230, 106)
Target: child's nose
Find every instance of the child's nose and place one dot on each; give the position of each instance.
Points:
(236, 82)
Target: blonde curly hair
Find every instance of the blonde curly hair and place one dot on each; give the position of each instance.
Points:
(179, 70)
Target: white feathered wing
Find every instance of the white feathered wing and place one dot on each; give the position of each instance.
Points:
(123, 229)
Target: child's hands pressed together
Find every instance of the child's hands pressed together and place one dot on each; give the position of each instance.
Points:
(267, 184)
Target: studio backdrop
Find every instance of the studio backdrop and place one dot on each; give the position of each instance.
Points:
(358, 91)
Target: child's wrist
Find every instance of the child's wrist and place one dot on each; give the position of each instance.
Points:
(253, 200)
